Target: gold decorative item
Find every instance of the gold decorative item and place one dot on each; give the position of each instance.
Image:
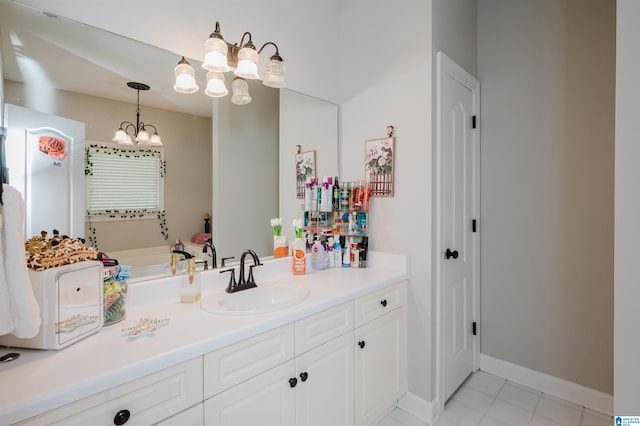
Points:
(145, 326)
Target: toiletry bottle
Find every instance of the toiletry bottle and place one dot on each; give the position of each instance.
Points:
(337, 253)
(346, 258)
(322, 200)
(317, 255)
(190, 284)
(355, 253)
(344, 197)
(319, 197)
(335, 198)
(330, 256)
(173, 262)
(307, 194)
(357, 196)
(299, 257)
(362, 223)
(314, 195)
(366, 196)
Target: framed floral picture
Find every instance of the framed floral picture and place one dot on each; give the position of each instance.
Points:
(305, 167)
(379, 166)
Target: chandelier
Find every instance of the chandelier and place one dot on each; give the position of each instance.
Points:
(139, 131)
(221, 57)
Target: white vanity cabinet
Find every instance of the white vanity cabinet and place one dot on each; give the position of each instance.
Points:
(380, 357)
(144, 401)
(313, 387)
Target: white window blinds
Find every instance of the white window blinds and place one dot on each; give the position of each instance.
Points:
(124, 183)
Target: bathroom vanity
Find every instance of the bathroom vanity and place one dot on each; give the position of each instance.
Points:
(335, 357)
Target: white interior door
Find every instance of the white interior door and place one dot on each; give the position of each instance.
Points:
(458, 216)
(45, 158)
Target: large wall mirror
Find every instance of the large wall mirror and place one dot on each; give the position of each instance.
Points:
(235, 163)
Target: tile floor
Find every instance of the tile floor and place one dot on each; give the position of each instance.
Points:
(487, 400)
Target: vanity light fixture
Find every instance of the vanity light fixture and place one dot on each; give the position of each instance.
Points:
(140, 133)
(221, 57)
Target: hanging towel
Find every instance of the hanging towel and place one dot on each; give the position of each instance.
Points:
(19, 310)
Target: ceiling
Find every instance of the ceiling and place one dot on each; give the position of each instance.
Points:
(48, 51)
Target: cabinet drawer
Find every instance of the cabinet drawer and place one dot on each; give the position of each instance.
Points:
(373, 305)
(320, 328)
(147, 400)
(236, 363)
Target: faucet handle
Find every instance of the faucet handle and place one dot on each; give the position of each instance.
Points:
(232, 280)
(226, 258)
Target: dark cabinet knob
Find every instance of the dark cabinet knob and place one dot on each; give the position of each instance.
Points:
(361, 344)
(293, 382)
(121, 417)
(304, 376)
(448, 254)
(384, 303)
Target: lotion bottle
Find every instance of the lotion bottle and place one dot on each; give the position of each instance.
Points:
(337, 253)
(317, 255)
(346, 258)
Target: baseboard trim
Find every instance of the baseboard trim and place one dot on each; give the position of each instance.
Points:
(427, 411)
(560, 388)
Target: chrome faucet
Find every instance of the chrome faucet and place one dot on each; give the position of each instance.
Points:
(214, 260)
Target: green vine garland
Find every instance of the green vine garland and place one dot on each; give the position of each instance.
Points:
(121, 152)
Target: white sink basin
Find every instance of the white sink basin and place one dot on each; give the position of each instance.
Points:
(264, 298)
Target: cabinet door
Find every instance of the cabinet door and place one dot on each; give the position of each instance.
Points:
(379, 366)
(267, 400)
(194, 416)
(324, 394)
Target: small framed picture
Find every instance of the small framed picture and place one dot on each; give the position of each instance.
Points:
(305, 167)
(379, 166)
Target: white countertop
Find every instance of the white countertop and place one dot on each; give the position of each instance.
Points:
(40, 380)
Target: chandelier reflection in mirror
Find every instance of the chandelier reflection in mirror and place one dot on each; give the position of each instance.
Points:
(140, 133)
(221, 57)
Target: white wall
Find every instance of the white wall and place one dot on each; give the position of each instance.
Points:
(313, 124)
(627, 211)
(386, 79)
(547, 123)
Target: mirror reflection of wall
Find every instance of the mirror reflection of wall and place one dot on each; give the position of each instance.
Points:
(245, 167)
(187, 151)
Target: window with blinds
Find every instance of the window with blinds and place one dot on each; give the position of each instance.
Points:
(124, 184)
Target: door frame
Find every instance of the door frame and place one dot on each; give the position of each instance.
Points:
(446, 66)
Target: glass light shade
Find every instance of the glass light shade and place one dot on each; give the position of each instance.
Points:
(247, 63)
(120, 136)
(274, 76)
(143, 137)
(126, 141)
(185, 78)
(240, 89)
(155, 140)
(215, 85)
(215, 56)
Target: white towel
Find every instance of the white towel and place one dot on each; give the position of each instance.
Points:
(19, 310)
